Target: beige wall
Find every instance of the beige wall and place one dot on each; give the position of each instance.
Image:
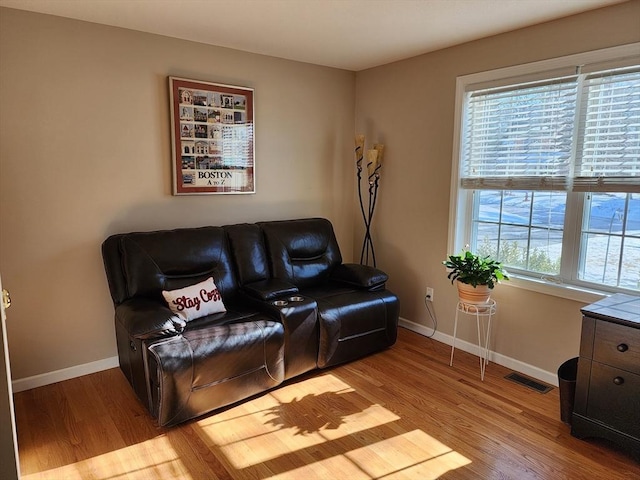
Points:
(409, 105)
(85, 152)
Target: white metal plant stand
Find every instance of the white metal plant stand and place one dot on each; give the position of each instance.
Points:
(480, 311)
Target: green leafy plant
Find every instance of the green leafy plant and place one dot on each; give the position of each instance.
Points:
(474, 270)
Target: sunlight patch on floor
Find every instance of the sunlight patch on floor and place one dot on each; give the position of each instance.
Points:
(293, 418)
(280, 432)
(157, 455)
(413, 454)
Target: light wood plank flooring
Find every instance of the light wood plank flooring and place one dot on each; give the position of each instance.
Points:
(402, 413)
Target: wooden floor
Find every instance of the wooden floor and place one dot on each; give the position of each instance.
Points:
(402, 413)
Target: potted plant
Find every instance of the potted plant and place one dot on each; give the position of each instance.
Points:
(475, 275)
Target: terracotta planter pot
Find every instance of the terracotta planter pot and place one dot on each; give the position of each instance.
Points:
(475, 295)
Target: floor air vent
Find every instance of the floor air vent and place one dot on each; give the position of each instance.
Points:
(529, 382)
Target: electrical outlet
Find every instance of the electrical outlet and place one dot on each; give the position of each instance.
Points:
(430, 294)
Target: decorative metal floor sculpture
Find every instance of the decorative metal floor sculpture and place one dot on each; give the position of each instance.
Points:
(374, 164)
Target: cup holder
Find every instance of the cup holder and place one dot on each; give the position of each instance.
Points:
(296, 298)
(281, 303)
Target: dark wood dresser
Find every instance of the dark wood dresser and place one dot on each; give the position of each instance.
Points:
(607, 401)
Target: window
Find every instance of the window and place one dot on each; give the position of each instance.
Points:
(547, 169)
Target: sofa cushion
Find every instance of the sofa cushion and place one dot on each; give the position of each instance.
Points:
(208, 368)
(270, 289)
(247, 246)
(302, 252)
(353, 322)
(143, 318)
(173, 259)
(195, 301)
(362, 276)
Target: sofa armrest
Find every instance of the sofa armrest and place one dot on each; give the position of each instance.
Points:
(143, 319)
(269, 289)
(361, 276)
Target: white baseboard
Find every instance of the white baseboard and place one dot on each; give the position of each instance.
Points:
(530, 370)
(65, 374)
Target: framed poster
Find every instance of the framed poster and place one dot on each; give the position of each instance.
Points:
(211, 138)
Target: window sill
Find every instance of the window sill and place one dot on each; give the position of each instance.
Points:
(570, 292)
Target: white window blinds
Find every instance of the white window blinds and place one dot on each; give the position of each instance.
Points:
(524, 137)
(608, 146)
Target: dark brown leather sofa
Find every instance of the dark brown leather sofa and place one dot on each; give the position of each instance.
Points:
(291, 306)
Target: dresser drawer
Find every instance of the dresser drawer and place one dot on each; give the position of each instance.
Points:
(617, 345)
(614, 398)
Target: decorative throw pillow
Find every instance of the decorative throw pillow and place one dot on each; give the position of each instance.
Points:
(195, 301)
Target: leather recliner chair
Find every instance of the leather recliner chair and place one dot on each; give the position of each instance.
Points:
(291, 306)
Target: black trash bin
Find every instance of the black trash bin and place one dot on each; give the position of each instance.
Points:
(567, 374)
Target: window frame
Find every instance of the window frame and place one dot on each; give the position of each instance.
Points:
(461, 200)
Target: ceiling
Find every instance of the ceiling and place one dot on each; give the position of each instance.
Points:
(348, 34)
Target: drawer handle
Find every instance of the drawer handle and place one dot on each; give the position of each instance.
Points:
(623, 347)
(618, 380)
(132, 345)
